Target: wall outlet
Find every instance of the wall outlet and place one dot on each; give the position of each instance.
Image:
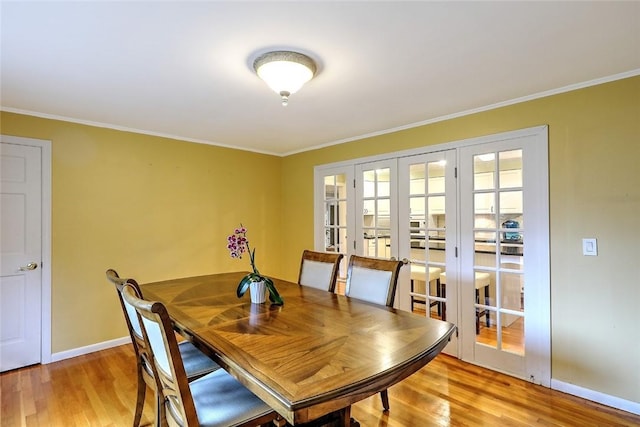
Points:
(590, 247)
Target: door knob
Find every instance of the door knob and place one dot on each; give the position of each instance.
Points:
(30, 266)
(405, 261)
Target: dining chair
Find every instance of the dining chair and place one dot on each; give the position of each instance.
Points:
(373, 280)
(196, 363)
(216, 399)
(319, 269)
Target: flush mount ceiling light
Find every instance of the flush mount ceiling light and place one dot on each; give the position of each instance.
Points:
(285, 72)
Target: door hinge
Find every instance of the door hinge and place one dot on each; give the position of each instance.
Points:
(456, 252)
(455, 172)
(354, 245)
(354, 183)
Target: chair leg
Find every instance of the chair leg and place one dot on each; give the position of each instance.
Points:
(384, 396)
(161, 413)
(142, 388)
(443, 294)
(486, 302)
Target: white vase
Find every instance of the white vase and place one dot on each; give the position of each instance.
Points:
(258, 292)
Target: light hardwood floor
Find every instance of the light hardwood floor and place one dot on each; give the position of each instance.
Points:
(512, 335)
(98, 389)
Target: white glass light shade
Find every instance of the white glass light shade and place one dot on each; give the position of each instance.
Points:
(282, 76)
(284, 72)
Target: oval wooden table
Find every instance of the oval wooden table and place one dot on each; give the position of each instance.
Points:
(314, 356)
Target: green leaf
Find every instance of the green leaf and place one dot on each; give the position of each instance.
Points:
(243, 285)
(274, 296)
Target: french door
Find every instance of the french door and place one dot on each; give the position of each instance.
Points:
(427, 236)
(504, 256)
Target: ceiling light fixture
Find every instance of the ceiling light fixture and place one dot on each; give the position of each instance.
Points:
(285, 72)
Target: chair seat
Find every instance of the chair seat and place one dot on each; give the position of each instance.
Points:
(418, 273)
(196, 363)
(220, 400)
(482, 279)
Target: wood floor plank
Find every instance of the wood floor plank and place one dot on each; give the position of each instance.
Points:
(99, 389)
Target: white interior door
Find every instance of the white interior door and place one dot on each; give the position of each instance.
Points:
(427, 236)
(21, 255)
(504, 264)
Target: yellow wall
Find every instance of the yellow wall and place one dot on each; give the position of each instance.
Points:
(152, 208)
(594, 150)
(172, 203)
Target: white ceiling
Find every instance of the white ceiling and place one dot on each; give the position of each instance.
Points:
(183, 69)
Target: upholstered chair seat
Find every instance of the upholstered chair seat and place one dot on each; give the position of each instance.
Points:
(220, 400)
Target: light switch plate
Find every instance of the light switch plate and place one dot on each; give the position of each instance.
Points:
(590, 247)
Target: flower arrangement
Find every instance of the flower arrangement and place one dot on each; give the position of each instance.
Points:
(238, 244)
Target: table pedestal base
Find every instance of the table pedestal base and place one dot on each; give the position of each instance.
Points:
(340, 418)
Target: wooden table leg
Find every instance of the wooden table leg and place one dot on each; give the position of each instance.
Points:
(345, 418)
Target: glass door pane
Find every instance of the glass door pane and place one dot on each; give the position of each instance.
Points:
(427, 233)
(335, 218)
(376, 211)
(498, 268)
(376, 225)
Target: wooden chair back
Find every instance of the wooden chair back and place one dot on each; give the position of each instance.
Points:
(171, 378)
(319, 269)
(196, 363)
(144, 368)
(372, 279)
(133, 324)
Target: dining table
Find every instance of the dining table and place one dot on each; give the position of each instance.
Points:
(309, 359)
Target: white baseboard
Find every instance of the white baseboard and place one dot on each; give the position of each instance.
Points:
(596, 396)
(55, 357)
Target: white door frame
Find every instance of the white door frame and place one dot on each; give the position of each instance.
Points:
(45, 328)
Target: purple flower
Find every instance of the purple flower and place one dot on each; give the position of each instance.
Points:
(237, 243)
